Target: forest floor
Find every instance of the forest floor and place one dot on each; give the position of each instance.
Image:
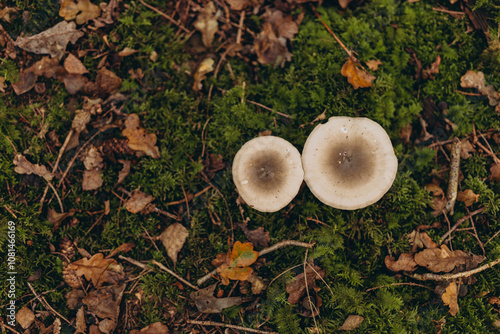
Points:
(119, 123)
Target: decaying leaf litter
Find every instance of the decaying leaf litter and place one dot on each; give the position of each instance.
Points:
(107, 143)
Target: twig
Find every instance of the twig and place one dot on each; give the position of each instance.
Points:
(311, 306)
(134, 262)
(490, 151)
(3, 326)
(165, 16)
(334, 36)
(477, 236)
(194, 196)
(47, 306)
(270, 109)
(394, 284)
(261, 253)
(460, 221)
(434, 277)
(493, 237)
(240, 27)
(162, 267)
(451, 194)
(57, 195)
(213, 323)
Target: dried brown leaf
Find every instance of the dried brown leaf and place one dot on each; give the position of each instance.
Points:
(356, 76)
(439, 201)
(107, 82)
(74, 298)
(373, 64)
(92, 179)
(26, 80)
(73, 65)
(138, 201)
(23, 166)
(2, 84)
(52, 41)
(25, 317)
(207, 24)
(270, 48)
(173, 238)
(257, 237)
(125, 170)
(207, 303)
(105, 301)
(7, 13)
(98, 270)
(495, 172)
(138, 138)
(156, 328)
(123, 248)
(351, 323)
(467, 196)
(57, 218)
(405, 262)
(82, 10)
(297, 287)
(466, 149)
(205, 67)
(239, 4)
(126, 52)
(81, 326)
(476, 80)
(434, 69)
(450, 298)
(441, 259)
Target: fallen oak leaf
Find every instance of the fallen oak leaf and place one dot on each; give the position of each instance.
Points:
(207, 303)
(355, 76)
(205, 67)
(235, 265)
(82, 10)
(138, 138)
(373, 64)
(207, 24)
(495, 172)
(467, 196)
(441, 259)
(97, 270)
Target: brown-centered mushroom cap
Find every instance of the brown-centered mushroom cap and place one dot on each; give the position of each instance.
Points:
(349, 163)
(267, 172)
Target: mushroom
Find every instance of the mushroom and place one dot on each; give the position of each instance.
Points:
(267, 172)
(349, 163)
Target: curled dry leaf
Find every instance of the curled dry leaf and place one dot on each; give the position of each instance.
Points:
(421, 240)
(439, 201)
(126, 52)
(52, 41)
(173, 238)
(205, 67)
(93, 164)
(442, 259)
(81, 326)
(450, 298)
(23, 166)
(105, 301)
(257, 237)
(138, 138)
(57, 218)
(355, 76)
(468, 197)
(25, 317)
(434, 69)
(466, 149)
(156, 328)
(495, 172)
(97, 269)
(82, 10)
(235, 265)
(123, 248)
(138, 201)
(405, 262)
(125, 170)
(351, 323)
(207, 24)
(107, 82)
(270, 48)
(207, 303)
(297, 286)
(476, 80)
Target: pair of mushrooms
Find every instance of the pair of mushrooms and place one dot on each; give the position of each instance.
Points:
(348, 163)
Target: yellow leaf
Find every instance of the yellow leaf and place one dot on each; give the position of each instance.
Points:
(236, 263)
(138, 138)
(467, 196)
(450, 298)
(356, 77)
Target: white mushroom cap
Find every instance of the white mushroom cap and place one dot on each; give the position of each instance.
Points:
(349, 163)
(267, 172)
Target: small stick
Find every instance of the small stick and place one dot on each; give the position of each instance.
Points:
(213, 323)
(439, 143)
(460, 221)
(3, 326)
(311, 306)
(395, 284)
(57, 195)
(490, 151)
(434, 277)
(493, 237)
(451, 194)
(165, 16)
(162, 267)
(47, 306)
(270, 109)
(187, 201)
(240, 27)
(261, 253)
(477, 236)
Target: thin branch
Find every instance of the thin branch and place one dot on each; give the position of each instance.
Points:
(57, 195)
(395, 284)
(162, 267)
(333, 34)
(165, 16)
(213, 323)
(195, 195)
(460, 221)
(270, 109)
(261, 253)
(434, 277)
(3, 326)
(47, 306)
(451, 194)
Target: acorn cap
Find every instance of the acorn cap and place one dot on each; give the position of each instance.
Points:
(349, 163)
(267, 172)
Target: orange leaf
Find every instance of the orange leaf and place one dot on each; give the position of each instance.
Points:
(243, 255)
(234, 266)
(356, 77)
